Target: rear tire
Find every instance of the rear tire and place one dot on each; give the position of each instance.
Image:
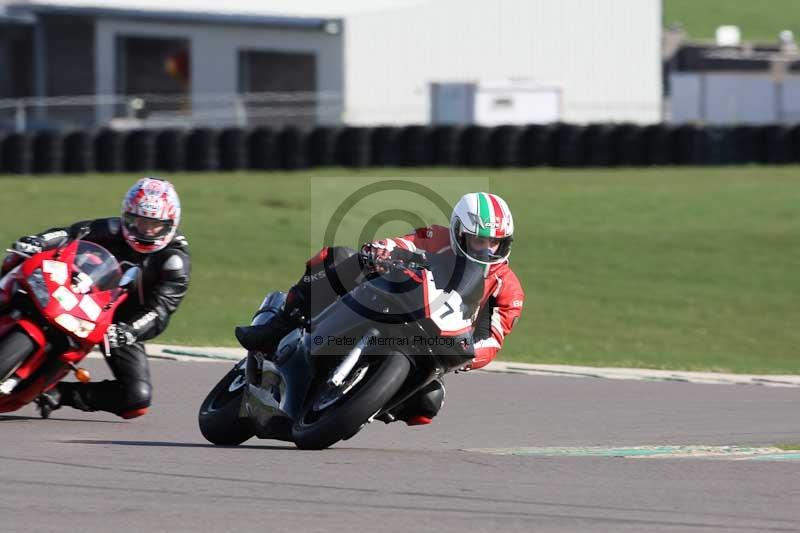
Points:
(219, 413)
(343, 419)
(14, 349)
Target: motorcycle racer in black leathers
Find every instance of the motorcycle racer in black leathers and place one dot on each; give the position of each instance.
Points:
(146, 234)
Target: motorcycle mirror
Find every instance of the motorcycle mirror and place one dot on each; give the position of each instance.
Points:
(83, 232)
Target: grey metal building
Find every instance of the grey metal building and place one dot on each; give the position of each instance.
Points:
(375, 59)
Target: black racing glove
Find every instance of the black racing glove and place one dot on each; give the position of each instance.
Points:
(30, 244)
(373, 256)
(119, 335)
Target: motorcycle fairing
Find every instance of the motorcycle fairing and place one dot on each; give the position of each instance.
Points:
(71, 300)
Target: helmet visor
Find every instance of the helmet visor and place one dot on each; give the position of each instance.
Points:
(486, 249)
(146, 229)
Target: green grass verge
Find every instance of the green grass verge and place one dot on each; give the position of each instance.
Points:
(758, 21)
(789, 447)
(684, 268)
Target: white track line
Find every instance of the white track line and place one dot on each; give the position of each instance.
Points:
(212, 354)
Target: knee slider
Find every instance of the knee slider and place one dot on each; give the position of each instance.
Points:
(431, 399)
(133, 413)
(136, 396)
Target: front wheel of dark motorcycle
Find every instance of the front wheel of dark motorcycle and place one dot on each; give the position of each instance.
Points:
(331, 415)
(14, 349)
(219, 413)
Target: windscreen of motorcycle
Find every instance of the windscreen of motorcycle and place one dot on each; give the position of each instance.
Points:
(96, 266)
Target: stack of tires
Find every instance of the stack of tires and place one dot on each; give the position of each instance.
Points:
(16, 154)
(415, 146)
(170, 146)
(140, 151)
(354, 147)
(292, 149)
(108, 150)
(385, 150)
(78, 152)
(201, 150)
(232, 148)
(47, 152)
(261, 149)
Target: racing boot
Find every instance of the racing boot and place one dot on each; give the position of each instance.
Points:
(265, 337)
(62, 394)
(278, 315)
(48, 401)
(421, 408)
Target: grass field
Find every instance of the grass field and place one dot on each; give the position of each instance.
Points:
(758, 21)
(690, 268)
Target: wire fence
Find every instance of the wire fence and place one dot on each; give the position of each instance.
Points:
(145, 111)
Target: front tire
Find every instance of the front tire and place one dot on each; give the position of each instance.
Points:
(327, 425)
(219, 413)
(14, 349)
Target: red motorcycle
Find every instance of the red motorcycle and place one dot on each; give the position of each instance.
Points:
(55, 306)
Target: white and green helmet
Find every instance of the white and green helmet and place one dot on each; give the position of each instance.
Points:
(480, 214)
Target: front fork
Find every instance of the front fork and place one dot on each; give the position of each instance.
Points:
(343, 369)
(421, 374)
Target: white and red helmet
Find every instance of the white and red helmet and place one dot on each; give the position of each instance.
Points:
(151, 212)
(483, 216)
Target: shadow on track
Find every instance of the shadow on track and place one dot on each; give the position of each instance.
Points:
(13, 418)
(174, 444)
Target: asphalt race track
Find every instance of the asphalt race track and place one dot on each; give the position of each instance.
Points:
(93, 472)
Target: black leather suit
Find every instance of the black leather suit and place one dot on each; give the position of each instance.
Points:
(165, 279)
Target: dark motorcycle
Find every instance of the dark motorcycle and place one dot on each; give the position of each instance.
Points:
(357, 360)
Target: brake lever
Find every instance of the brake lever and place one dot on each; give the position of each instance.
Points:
(106, 346)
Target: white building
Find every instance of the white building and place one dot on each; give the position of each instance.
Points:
(373, 61)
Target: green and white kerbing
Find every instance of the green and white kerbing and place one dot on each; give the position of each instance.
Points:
(483, 215)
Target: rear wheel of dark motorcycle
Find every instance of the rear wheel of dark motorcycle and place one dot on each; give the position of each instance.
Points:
(219, 413)
(14, 349)
(323, 422)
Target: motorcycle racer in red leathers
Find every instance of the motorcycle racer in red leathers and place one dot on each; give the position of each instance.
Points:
(481, 229)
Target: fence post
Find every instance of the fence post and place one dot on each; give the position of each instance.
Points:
(20, 122)
(241, 111)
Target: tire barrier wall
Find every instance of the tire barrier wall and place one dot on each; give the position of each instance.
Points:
(47, 152)
(140, 151)
(170, 150)
(16, 154)
(108, 151)
(291, 148)
(78, 152)
(202, 153)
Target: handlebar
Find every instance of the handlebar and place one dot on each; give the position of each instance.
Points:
(399, 259)
(17, 252)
